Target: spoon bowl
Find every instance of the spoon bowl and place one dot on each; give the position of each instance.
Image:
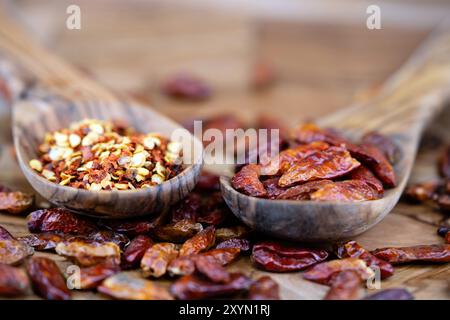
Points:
(402, 109)
(34, 117)
(55, 95)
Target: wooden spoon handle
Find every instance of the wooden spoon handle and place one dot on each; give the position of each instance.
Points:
(409, 99)
(46, 69)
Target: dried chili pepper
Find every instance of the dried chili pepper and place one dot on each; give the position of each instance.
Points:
(134, 252)
(186, 265)
(47, 280)
(424, 253)
(128, 286)
(444, 163)
(59, 220)
(327, 164)
(364, 174)
(13, 251)
(323, 272)
(287, 158)
(4, 234)
(247, 181)
(15, 202)
(303, 191)
(447, 237)
(131, 227)
(268, 122)
(264, 289)
(243, 244)
(238, 231)
(87, 254)
(13, 281)
(275, 257)
(345, 285)
(272, 188)
(157, 258)
(108, 236)
(186, 86)
(349, 190)
(371, 156)
(214, 210)
(223, 256)
(187, 209)
(211, 269)
(391, 294)
(181, 266)
(384, 143)
(192, 287)
(43, 241)
(308, 133)
(202, 241)
(207, 182)
(351, 249)
(177, 232)
(421, 192)
(91, 277)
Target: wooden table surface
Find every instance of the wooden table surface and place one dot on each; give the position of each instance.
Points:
(321, 67)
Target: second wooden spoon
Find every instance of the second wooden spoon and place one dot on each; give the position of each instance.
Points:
(402, 109)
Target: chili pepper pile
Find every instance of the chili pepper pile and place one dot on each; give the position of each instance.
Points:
(102, 155)
(321, 165)
(190, 244)
(435, 193)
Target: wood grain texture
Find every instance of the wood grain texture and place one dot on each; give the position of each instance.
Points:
(62, 96)
(308, 86)
(402, 109)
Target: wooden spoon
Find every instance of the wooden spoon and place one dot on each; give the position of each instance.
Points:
(60, 95)
(402, 109)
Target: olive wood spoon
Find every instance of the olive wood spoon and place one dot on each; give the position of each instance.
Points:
(59, 95)
(402, 109)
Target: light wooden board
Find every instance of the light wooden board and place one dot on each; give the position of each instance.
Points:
(320, 69)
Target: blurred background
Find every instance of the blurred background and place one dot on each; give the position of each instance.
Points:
(288, 59)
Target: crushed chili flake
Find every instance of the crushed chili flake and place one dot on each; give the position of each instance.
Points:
(104, 155)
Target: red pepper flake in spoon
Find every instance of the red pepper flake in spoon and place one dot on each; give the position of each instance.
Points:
(102, 155)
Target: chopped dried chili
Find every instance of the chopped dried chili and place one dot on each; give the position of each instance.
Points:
(15, 202)
(264, 288)
(193, 287)
(13, 281)
(351, 249)
(422, 253)
(345, 285)
(47, 280)
(101, 155)
(157, 258)
(275, 257)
